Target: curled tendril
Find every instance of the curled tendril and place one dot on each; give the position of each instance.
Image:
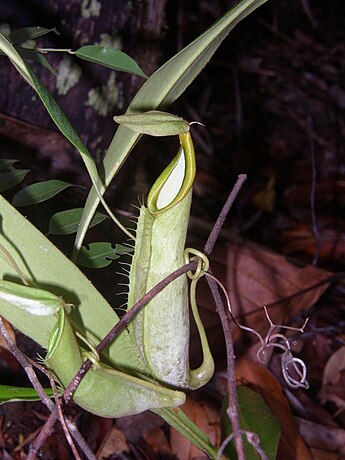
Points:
(289, 363)
(203, 262)
(299, 368)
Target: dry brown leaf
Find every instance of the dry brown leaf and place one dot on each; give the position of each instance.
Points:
(319, 454)
(255, 375)
(5, 355)
(207, 417)
(157, 440)
(10, 331)
(300, 238)
(113, 443)
(329, 438)
(333, 381)
(254, 277)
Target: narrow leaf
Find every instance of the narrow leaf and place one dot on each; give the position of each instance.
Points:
(162, 89)
(109, 57)
(12, 178)
(255, 417)
(179, 420)
(154, 123)
(100, 255)
(29, 33)
(52, 107)
(67, 222)
(37, 193)
(32, 55)
(5, 165)
(14, 394)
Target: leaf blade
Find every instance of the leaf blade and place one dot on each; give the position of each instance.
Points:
(29, 33)
(39, 192)
(10, 393)
(67, 222)
(100, 254)
(255, 417)
(109, 57)
(160, 90)
(11, 178)
(154, 123)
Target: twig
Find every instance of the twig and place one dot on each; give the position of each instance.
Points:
(62, 420)
(231, 373)
(232, 410)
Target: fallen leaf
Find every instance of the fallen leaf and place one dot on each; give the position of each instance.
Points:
(319, 454)
(333, 381)
(5, 355)
(11, 333)
(254, 277)
(329, 438)
(300, 238)
(113, 443)
(157, 441)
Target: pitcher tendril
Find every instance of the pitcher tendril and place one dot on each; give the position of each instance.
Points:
(203, 262)
(289, 363)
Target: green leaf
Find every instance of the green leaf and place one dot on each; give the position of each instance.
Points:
(58, 117)
(257, 418)
(12, 178)
(43, 264)
(179, 420)
(13, 394)
(100, 255)
(161, 90)
(109, 57)
(29, 33)
(5, 165)
(52, 107)
(67, 222)
(32, 55)
(39, 192)
(154, 123)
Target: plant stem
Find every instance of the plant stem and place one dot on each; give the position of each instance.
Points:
(231, 373)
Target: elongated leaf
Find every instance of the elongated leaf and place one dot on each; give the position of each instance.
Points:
(13, 394)
(44, 265)
(58, 117)
(100, 254)
(154, 123)
(109, 57)
(67, 222)
(32, 55)
(161, 90)
(179, 420)
(52, 107)
(29, 33)
(37, 193)
(5, 165)
(255, 417)
(9, 179)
